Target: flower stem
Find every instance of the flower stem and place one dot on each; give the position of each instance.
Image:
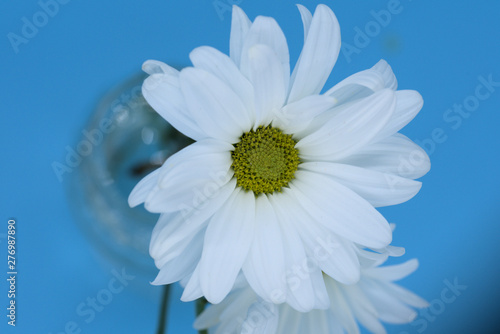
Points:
(162, 322)
(200, 306)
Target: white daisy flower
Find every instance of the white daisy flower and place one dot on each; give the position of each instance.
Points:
(374, 299)
(277, 169)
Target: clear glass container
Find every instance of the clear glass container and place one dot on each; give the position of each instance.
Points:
(128, 140)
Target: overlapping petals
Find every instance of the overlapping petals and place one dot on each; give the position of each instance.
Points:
(369, 302)
(212, 231)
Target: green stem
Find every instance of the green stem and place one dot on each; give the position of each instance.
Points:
(200, 306)
(162, 322)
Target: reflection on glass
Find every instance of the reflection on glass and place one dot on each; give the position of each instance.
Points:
(127, 140)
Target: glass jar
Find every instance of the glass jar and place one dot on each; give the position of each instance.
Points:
(127, 140)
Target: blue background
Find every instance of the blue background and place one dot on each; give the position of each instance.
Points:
(51, 85)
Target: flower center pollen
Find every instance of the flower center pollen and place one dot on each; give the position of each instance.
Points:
(265, 160)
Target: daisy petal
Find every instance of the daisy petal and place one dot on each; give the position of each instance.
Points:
(240, 24)
(317, 248)
(349, 130)
(341, 210)
(385, 70)
(318, 322)
(406, 296)
(192, 290)
(211, 315)
(390, 308)
(143, 188)
(157, 67)
(168, 224)
(301, 294)
(345, 93)
(379, 189)
(394, 312)
(162, 92)
(322, 302)
(408, 104)
(318, 56)
(265, 30)
(190, 175)
(266, 75)
(296, 116)
(220, 65)
(342, 264)
(396, 155)
(341, 309)
(393, 250)
(174, 231)
(334, 256)
(264, 267)
(369, 258)
(247, 295)
(218, 110)
(357, 86)
(228, 239)
(183, 265)
(394, 272)
(306, 16)
(363, 309)
(289, 321)
(265, 325)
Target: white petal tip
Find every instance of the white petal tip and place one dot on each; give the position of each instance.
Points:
(151, 67)
(214, 298)
(157, 67)
(424, 304)
(136, 197)
(384, 239)
(239, 14)
(385, 70)
(351, 279)
(412, 316)
(395, 251)
(413, 264)
(189, 296)
(132, 202)
(156, 282)
(381, 64)
(186, 298)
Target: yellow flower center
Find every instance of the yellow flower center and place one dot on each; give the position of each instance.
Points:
(265, 160)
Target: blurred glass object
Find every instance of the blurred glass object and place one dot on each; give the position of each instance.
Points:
(127, 140)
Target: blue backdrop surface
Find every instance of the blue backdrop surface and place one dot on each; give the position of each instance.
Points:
(59, 58)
